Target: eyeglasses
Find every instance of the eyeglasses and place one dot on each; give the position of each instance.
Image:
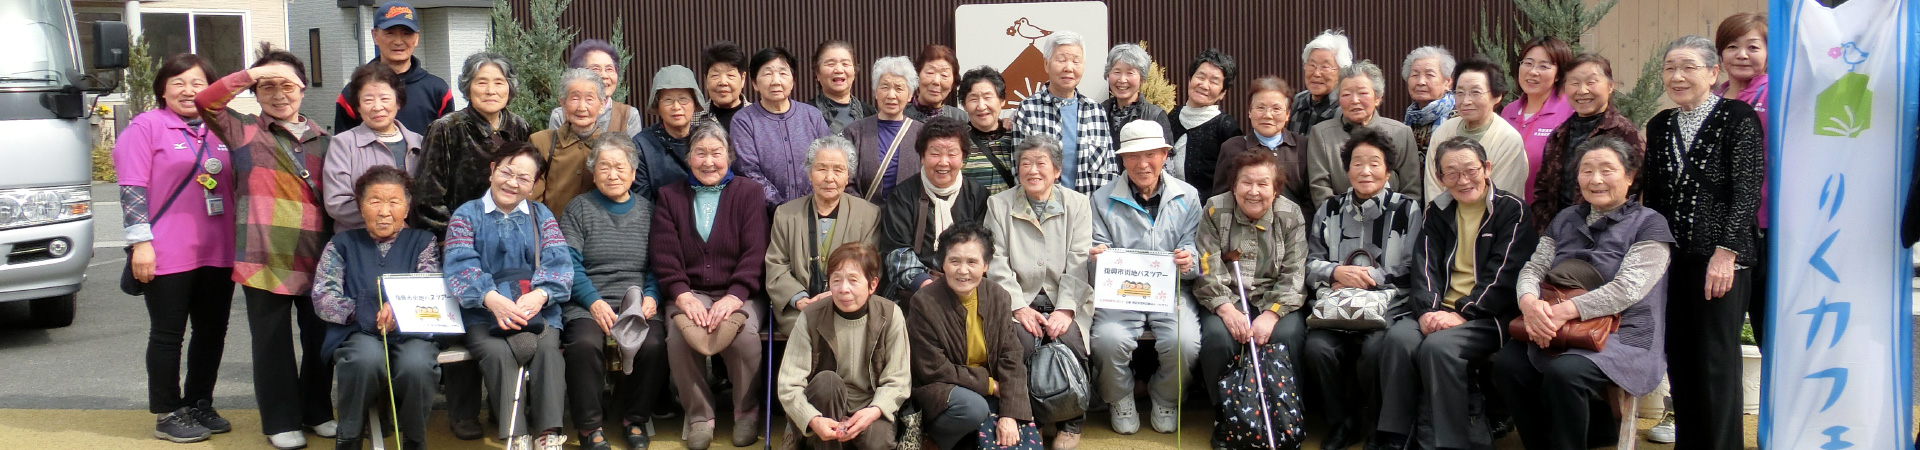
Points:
(1531, 64)
(682, 101)
(1262, 110)
(508, 177)
(1689, 69)
(1323, 67)
(1450, 178)
(1476, 93)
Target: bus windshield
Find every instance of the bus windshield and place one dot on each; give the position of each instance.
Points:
(36, 53)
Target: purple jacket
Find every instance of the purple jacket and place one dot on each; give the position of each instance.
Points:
(730, 261)
(350, 155)
(773, 148)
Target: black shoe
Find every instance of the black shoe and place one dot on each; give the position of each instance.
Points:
(346, 444)
(1341, 437)
(465, 429)
(203, 412)
(1501, 429)
(413, 445)
(179, 427)
(637, 438)
(1387, 441)
(596, 440)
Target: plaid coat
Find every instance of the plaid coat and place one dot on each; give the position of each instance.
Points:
(280, 227)
(1039, 114)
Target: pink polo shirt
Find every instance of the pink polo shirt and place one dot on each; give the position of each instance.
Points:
(1534, 131)
(1754, 94)
(156, 152)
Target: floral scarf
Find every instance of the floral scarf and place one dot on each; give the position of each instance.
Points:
(1435, 111)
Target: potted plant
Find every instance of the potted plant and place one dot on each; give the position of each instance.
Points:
(1749, 369)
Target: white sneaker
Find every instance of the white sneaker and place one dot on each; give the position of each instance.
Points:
(288, 441)
(551, 441)
(521, 442)
(1663, 432)
(1126, 417)
(327, 430)
(1165, 420)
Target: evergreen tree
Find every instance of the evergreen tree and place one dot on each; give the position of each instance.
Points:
(538, 50)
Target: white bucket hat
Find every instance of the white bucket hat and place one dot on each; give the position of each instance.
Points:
(1140, 136)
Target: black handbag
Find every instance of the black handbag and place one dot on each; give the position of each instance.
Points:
(129, 284)
(1029, 436)
(1057, 382)
(1242, 422)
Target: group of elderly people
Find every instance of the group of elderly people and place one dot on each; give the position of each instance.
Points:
(914, 251)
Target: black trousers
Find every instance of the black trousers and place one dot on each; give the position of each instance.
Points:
(1217, 347)
(584, 347)
(202, 297)
(290, 395)
(1757, 298)
(1334, 357)
(1553, 408)
(1703, 355)
(1435, 365)
(460, 381)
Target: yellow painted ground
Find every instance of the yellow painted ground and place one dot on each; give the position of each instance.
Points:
(94, 429)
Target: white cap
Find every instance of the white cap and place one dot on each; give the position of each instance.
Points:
(1140, 136)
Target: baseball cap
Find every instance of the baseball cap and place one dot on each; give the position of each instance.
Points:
(395, 14)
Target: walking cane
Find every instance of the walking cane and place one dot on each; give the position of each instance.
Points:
(393, 402)
(523, 346)
(1259, 378)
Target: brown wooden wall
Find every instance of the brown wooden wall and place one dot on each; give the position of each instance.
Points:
(1264, 37)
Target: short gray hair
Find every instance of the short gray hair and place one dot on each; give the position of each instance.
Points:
(476, 61)
(1618, 146)
(1130, 54)
(898, 66)
(834, 142)
(1059, 38)
(610, 142)
(1333, 41)
(1429, 52)
(1039, 142)
(1701, 45)
(579, 75)
(1365, 68)
(1457, 143)
(710, 129)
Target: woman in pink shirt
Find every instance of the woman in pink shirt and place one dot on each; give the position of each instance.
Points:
(1541, 106)
(1742, 39)
(173, 191)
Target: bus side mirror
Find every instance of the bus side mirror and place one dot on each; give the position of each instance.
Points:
(110, 46)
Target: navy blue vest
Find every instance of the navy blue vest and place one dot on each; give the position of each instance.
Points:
(361, 278)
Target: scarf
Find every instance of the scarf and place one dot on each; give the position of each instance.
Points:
(1270, 142)
(1191, 117)
(1435, 111)
(942, 203)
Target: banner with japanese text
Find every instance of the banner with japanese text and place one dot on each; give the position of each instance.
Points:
(1840, 145)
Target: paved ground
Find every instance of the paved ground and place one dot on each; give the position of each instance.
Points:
(84, 386)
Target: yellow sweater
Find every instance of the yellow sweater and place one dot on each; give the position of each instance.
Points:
(1461, 282)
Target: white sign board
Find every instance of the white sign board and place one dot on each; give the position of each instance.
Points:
(1009, 37)
(1135, 280)
(421, 304)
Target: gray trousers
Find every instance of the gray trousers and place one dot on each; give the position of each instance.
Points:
(1116, 333)
(827, 392)
(1437, 366)
(966, 411)
(1217, 347)
(545, 391)
(360, 369)
(742, 357)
